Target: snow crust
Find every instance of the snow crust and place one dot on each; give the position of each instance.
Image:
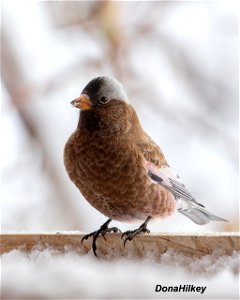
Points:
(52, 274)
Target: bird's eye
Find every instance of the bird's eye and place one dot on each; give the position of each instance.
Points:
(103, 99)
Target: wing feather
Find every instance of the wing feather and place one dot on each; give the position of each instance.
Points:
(160, 173)
(151, 151)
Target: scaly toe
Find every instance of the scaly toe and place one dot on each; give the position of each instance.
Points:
(126, 233)
(129, 238)
(87, 236)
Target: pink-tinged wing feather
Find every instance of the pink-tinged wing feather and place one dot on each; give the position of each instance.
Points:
(160, 173)
(186, 204)
(168, 178)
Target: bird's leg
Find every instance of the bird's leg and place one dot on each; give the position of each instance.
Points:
(132, 233)
(101, 231)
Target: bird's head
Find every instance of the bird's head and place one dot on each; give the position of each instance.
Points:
(103, 103)
(99, 92)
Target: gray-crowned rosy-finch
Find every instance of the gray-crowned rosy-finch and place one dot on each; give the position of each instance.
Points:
(118, 168)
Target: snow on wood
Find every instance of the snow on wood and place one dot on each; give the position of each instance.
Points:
(141, 246)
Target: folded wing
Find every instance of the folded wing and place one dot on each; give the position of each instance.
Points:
(160, 173)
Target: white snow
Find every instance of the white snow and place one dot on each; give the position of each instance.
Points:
(51, 274)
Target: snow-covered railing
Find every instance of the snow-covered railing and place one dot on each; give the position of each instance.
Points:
(141, 246)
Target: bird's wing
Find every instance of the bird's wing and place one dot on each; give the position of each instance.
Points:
(151, 151)
(168, 178)
(158, 168)
(160, 173)
(186, 204)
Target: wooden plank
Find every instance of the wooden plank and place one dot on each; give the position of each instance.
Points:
(141, 246)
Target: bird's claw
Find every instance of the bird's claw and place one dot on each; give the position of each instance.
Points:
(88, 236)
(132, 233)
(102, 231)
(126, 233)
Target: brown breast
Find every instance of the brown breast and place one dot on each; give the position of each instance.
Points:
(111, 174)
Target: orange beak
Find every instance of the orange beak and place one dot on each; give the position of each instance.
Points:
(83, 102)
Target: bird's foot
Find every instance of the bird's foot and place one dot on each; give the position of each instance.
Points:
(132, 233)
(103, 230)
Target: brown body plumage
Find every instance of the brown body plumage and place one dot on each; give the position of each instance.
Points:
(106, 160)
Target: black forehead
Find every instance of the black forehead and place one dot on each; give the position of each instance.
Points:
(94, 85)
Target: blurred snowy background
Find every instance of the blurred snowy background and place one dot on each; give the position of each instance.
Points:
(178, 62)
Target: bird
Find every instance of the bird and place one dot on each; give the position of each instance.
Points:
(118, 167)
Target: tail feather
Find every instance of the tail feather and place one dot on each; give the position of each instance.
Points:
(200, 215)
